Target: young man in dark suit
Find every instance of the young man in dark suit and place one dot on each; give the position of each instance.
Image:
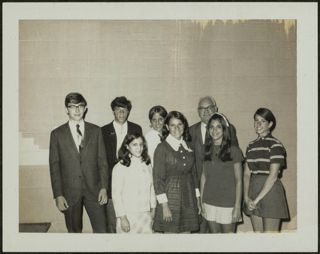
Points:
(113, 135)
(206, 108)
(79, 168)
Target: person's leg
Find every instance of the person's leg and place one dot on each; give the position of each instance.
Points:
(96, 215)
(228, 228)
(73, 217)
(271, 225)
(204, 228)
(111, 217)
(257, 224)
(214, 227)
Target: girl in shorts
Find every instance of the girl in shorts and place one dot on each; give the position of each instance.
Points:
(221, 179)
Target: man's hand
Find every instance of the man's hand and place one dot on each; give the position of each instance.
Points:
(61, 203)
(103, 198)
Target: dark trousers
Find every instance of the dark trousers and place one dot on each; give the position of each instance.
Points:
(110, 217)
(73, 216)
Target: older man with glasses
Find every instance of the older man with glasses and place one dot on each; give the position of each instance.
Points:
(206, 108)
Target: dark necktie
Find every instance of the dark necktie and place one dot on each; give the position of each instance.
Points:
(80, 134)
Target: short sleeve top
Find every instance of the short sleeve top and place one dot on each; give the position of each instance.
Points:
(220, 186)
(264, 151)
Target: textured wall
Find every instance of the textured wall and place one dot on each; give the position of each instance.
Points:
(244, 64)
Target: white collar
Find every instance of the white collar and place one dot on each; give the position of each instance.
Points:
(175, 143)
(118, 126)
(154, 132)
(203, 125)
(74, 123)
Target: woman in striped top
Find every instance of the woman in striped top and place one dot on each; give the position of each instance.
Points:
(264, 195)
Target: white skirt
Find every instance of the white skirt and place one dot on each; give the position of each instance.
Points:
(221, 215)
(139, 223)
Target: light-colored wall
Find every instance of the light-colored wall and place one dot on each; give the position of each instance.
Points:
(244, 64)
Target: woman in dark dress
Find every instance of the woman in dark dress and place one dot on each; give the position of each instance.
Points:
(264, 195)
(174, 177)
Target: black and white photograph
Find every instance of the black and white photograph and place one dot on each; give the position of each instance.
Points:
(126, 122)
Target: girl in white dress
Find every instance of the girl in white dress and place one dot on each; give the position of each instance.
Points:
(132, 187)
(157, 114)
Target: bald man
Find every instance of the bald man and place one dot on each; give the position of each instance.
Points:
(206, 108)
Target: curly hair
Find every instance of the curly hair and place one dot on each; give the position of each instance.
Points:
(122, 102)
(124, 153)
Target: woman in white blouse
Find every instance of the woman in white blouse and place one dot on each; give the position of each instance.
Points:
(157, 114)
(132, 187)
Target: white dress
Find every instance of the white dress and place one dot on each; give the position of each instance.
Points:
(153, 140)
(133, 195)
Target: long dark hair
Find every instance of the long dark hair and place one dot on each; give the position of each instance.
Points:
(224, 153)
(124, 153)
(175, 114)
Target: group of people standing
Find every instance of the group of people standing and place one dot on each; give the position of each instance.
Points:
(173, 179)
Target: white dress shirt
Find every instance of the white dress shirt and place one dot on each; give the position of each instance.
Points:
(132, 188)
(203, 131)
(121, 132)
(75, 135)
(153, 140)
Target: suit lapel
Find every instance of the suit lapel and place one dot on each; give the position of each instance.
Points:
(199, 135)
(69, 139)
(113, 138)
(87, 135)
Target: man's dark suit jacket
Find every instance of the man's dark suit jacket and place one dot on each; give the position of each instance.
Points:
(73, 172)
(198, 146)
(110, 141)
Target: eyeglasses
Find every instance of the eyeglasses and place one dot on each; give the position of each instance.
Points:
(74, 107)
(211, 108)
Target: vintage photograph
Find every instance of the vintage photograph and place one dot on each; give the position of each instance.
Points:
(128, 126)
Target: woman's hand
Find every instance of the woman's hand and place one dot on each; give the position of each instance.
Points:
(167, 215)
(236, 214)
(251, 205)
(125, 225)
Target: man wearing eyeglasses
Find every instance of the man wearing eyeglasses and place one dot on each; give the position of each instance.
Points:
(206, 108)
(79, 168)
(113, 135)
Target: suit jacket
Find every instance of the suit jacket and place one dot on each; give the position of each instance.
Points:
(197, 144)
(110, 141)
(74, 173)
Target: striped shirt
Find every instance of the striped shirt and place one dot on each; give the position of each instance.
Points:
(264, 151)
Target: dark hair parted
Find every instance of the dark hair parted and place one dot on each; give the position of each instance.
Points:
(175, 114)
(124, 153)
(121, 102)
(75, 98)
(267, 115)
(224, 152)
(157, 109)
